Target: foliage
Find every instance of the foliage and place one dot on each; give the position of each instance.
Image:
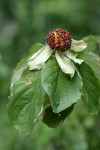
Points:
(29, 90)
(23, 23)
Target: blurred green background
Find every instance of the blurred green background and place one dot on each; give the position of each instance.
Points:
(22, 23)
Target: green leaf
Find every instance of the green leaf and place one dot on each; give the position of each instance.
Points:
(26, 98)
(22, 65)
(52, 119)
(26, 101)
(34, 49)
(98, 44)
(61, 89)
(92, 44)
(93, 61)
(91, 87)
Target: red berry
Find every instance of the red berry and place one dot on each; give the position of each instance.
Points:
(59, 39)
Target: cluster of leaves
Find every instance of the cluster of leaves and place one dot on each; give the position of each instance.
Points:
(49, 94)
